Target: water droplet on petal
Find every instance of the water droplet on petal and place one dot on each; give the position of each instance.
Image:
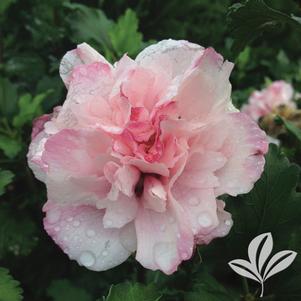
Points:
(70, 219)
(184, 255)
(76, 223)
(53, 216)
(90, 233)
(87, 259)
(172, 220)
(228, 222)
(204, 220)
(105, 253)
(108, 223)
(194, 201)
(166, 254)
(163, 228)
(57, 229)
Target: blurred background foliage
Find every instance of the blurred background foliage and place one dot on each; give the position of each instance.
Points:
(262, 38)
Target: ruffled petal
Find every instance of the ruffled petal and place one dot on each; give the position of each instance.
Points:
(90, 82)
(222, 229)
(164, 240)
(200, 168)
(83, 54)
(34, 156)
(119, 212)
(243, 145)
(144, 88)
(80, 233)
(200, 207)
(75, 161)
(205, 93)
(171, 56)
(154, 194)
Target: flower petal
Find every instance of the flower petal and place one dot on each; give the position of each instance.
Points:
(80, 233)
(87, 83)
(34, 156)
(163, 239)
(176, 56)
(83, 54)
(222, 229)
(244, 147)
(154, 194)
(200, 208)
(119, 212)
(205, 93)
(75, 161)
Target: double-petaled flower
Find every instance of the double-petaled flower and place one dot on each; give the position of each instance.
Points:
(138, 154)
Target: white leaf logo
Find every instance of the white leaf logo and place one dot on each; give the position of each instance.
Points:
(259, 267)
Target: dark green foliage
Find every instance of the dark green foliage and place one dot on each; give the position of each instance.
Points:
(9, 288)
(250, 19)
(132, 292)
(60, 290)
(262, 38)
(6, 177)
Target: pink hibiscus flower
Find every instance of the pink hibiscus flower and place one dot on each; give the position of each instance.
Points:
(137, 155)
(262, 103)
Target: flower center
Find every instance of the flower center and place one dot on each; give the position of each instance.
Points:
(139, 188)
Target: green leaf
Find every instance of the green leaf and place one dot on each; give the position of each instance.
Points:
(132, 292)
(243, 58)
(9, 288)
(10, 146)
(273, 205)
(6, 177)
(63, 290)
(8, 97)
(207, 288)
(29, 108)
(55, 84)
(17, 232)
(22, 66)
(90, 25)
(5, 4)
(249, 20)
(125, 36)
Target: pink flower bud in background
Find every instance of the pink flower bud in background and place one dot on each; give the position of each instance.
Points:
(263, 102)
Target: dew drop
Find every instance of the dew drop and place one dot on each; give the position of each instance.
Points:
(87, 259)
(228, 222)
(108, 223)
(76, 223)
(184, 255)
(90, 233)
(165, 254)
(219, 159)
(194, 201)
(171, 220)
(57, 229)
(105, 253)
(53, 216)
(204, 220)
(163, 228)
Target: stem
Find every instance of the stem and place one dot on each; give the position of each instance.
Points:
(262, 289)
